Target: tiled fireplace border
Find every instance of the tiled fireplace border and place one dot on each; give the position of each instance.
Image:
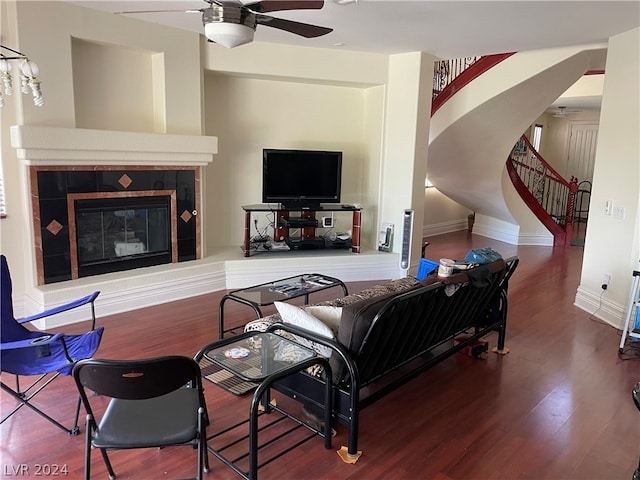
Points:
(122, 180)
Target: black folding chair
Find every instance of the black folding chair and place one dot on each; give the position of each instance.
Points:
(29, 352)
(155, 402)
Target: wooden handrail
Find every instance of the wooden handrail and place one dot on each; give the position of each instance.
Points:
(449, 76)
(550, 197)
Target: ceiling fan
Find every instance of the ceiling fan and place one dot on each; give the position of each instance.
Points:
(232, 23)
(563, 112)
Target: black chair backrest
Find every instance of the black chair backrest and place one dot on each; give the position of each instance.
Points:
(137, 379)
(635, 393)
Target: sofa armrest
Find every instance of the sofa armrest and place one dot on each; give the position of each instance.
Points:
(339, 355)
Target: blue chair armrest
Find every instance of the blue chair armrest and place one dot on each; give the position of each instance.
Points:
(32, 342)
(62, 308)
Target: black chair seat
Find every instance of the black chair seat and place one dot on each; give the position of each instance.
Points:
(167, 420)
(154, 402)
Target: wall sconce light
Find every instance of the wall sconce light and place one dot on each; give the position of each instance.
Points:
(29, 71)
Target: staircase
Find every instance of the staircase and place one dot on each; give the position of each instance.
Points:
(474, 131)
(550, 197)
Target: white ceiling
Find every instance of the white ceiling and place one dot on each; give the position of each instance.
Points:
(446, 29)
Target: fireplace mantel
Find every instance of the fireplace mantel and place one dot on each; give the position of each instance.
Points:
(63, 161)
(58, 146)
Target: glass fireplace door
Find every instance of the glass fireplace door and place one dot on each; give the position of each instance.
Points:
(116, 231)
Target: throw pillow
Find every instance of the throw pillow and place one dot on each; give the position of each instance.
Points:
(329, 315)
(299, 317)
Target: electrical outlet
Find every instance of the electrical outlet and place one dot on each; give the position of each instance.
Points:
(606, 280)
(608, 206)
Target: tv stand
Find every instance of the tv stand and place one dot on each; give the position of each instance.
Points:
(305, 220)
(299, 207)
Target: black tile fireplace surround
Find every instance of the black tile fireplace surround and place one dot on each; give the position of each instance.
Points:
(54, 186)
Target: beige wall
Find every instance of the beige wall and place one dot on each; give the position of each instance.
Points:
(612, 244)
(382, 125)
(257, 96)
(248, 115)
(48, 32)
(373, 107)
(112, 87)
(441, 214)
(554, 145)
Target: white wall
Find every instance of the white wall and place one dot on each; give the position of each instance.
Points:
(441, 214)
(408, 117)
(554, 145)
(611, 244)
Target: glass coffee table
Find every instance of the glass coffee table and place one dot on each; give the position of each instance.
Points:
(281, 290)
(254, 357)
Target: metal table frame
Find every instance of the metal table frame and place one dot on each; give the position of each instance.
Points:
(261, 398)
(235, 295)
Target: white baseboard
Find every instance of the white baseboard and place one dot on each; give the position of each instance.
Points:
(444, 227)
(506, 235)
(146, 287)
(601, 307)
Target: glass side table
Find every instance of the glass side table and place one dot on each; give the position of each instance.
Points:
(254, 357)
(282, 290)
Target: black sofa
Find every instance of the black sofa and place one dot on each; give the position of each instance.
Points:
(384, 341)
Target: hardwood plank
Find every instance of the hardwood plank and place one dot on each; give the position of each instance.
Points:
(557, 407)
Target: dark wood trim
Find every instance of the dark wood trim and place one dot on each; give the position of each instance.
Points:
(474, 71)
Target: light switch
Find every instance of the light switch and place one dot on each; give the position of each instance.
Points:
(618, 212)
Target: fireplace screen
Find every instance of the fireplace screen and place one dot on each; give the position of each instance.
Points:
(121, 233)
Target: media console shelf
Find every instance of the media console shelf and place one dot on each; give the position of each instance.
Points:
(304, 219)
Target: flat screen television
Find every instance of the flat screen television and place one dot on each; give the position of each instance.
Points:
(301, 178)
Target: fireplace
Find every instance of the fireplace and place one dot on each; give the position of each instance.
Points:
(108, 218)
(63, 162)
(112, 232)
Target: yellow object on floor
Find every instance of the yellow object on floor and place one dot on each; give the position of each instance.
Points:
(273, 403)
(343, 453)
(504, 351)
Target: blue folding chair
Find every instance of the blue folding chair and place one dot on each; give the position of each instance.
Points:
(42, 354)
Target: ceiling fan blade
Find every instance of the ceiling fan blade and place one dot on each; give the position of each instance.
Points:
(158, 11)
(278, 5)
(303, 29)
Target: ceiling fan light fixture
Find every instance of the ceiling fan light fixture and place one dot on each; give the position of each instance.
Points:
(229, 35)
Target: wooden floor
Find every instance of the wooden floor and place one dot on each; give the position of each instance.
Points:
(557, 407)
